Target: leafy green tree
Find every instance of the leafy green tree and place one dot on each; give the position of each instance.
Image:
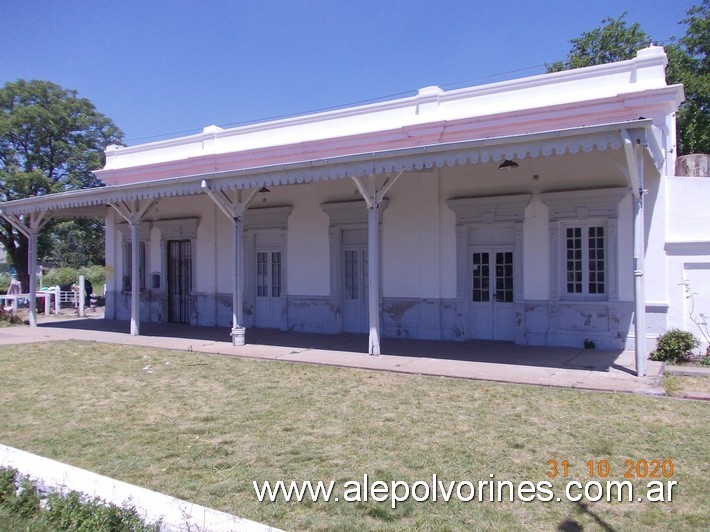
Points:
(76, 243)
(614, 41)
(688, 64)
(50, 141)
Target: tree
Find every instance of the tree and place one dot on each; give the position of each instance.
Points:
(688, 64)
(50, 141)
(615, 41)
(76, 243)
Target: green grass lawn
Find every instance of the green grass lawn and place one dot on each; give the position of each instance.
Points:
(678, 383)
(203, 427)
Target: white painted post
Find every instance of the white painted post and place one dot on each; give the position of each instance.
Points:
(238, 332)
(33, 277)
(82, 296)
(373, 270)
(47, 302)
(135, 281)
(57, 297)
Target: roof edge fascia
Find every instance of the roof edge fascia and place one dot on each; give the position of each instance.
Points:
(212, 132)
(166, 185)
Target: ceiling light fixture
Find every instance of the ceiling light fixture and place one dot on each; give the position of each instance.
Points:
(507, 165)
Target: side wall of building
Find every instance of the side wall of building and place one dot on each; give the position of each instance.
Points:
(687, 249)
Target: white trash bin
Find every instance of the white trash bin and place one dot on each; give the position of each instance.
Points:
(239, 336)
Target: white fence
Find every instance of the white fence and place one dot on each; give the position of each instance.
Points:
(10, 302)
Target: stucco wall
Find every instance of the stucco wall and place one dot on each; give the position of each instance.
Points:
(308, 267)
(410, 239)
(536, 245)
(688, 250)
(420, 276)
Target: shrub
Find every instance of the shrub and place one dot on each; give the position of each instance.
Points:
(5, 279)
(675, 346)
(8, 318)
(26, 502)
(18, 497)
(72, 512)
(60, 276)
(7, 483)
(96, 275)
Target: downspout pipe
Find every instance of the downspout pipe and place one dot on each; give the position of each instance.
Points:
(634, 161)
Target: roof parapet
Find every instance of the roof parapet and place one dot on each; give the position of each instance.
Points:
(431, 104)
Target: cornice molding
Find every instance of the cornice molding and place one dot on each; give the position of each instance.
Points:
(583, 204)
(489, 209)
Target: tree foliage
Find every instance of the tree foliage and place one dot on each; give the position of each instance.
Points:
(50, 141)
(614, 41)
(688, 63)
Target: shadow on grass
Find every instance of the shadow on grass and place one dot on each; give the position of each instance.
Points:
(569, 525)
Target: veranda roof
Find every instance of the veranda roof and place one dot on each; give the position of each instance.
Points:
(540, 144)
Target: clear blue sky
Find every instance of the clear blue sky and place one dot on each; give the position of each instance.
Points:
(166, 68)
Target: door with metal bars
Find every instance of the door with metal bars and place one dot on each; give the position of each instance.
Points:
(179, 281)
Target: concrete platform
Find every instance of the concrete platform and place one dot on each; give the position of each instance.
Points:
(602, 370)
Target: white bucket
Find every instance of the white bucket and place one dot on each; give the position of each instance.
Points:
(239, 336)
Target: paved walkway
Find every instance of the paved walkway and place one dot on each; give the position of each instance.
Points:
(486, 360)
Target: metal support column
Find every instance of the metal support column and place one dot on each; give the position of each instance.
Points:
(134, 215)
(30, 228)
(234, 210)
(135, 281)
(373, 198)
(373, 272)
(32, 267)
(238, 329)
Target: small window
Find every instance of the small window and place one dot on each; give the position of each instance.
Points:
(585, 261)
(262, 287)
(504, 277)
(128, 267)
(268, 274)
(352, 274)
(276, 274)
(481, 277)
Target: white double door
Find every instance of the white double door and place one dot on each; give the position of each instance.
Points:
(355, 281)
(491, 308)
(268, 288)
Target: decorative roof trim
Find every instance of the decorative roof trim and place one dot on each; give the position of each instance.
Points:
(556, 142)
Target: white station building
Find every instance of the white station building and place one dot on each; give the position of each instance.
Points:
(540, 211)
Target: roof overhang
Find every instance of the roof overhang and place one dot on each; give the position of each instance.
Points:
(540, 144)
